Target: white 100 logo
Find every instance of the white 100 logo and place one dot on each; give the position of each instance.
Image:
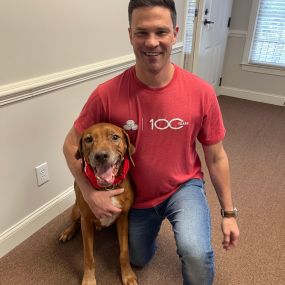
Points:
(163, 124)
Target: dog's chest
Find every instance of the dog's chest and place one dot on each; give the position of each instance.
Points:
(107, 221)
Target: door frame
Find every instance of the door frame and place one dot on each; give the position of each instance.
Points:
(190, 61)
(197, 34)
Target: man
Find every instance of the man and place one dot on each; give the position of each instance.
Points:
(164, 110)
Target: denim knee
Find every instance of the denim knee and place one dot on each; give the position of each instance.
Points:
(144, 225)
(189, 215)
(193, 249)
(196, 256)
(141, 259)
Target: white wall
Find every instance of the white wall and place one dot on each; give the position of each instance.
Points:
(247, 84)
(53, 54)
(44, 37)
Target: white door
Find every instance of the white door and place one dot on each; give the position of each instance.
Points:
(210, 39)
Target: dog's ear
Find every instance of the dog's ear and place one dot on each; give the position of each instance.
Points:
(79, 154)
(130, 148)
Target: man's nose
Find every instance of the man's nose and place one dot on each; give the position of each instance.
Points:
(152, 41)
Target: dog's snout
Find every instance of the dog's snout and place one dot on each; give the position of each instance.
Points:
(102, 156)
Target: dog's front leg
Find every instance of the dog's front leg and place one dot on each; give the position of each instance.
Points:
(89, 264)
(128, 276)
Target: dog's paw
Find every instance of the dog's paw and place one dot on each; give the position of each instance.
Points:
(64, 238)
(89, 277)
(130, 279)
(89, 280)
(67, 234)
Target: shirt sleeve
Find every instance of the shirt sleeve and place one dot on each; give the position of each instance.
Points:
(91, 113)
(212, 130)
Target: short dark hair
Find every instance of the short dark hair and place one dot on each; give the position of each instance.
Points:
(169, 4)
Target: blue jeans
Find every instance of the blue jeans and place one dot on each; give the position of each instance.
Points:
(188, 212)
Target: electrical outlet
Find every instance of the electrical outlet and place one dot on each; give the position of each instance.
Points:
(42, 173)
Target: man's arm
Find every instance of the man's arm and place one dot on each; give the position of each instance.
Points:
(218, 166)
(98, 201)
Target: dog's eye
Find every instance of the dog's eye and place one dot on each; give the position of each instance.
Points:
(88, 139)
(115, 137)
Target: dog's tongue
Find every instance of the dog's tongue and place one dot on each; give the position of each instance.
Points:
(106, 177)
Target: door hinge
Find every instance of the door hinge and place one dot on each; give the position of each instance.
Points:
(229, 21)
(220, 83)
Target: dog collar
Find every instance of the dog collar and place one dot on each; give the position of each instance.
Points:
(88, 170)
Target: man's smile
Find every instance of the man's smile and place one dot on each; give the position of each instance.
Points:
(152, 53)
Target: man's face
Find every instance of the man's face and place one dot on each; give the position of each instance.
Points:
(152, 36)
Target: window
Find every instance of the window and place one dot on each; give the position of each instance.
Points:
(268, 46)
(190, 25)
(189, 32)
(265, 46)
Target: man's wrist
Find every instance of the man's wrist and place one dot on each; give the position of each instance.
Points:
(229, 214)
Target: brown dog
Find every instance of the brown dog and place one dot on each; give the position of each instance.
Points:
(105, 151)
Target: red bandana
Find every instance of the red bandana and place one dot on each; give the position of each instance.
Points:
(88, 170)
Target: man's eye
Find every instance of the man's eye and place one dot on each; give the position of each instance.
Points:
(141, 34)
(88, 139)
(162, 33)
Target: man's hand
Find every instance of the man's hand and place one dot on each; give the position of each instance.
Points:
(231, 233)
(100, 202)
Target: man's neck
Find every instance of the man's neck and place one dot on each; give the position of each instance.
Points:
(156, 80)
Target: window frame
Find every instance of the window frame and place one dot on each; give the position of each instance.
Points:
(246, 65)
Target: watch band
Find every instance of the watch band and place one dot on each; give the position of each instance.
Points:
(229, 214)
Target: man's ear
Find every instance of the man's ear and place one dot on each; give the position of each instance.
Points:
(176, 30)
(130, 35)
(130, 147)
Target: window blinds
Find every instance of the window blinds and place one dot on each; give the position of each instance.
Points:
(268, 46)
(189, 26)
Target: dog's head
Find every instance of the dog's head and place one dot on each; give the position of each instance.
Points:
(104, 147)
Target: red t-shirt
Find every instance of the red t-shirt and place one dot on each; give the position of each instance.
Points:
(163, 124)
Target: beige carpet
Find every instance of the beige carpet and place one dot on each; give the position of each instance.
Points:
(255, 144)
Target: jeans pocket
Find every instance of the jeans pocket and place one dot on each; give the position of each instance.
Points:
(195, 182)
(199, 183)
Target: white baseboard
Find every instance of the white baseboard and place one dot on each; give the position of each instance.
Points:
(36, 220)
(253, 95)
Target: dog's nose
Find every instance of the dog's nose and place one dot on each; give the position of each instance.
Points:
(101, 156)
